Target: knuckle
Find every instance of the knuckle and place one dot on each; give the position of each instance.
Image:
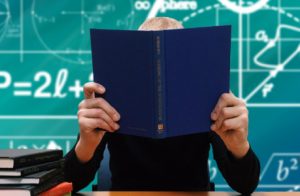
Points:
(100, 101)
(81, 122)
(228, 95)
(111, 111)
(226, 124)
(244, 118)
(81, 104)
(245, 110)
(218, 109)
(224, 112)
(242, 102)
(110, 122)
(99, 113)
(101, 123)
(80, 113)
(218, 123)
(86, 86)
(224, 96)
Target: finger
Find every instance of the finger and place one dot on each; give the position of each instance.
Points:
(94, 123)
(100, 103)
(98, 113)
(226, 100)
(103, 125)
(91, 88)
(229, 112)
(233, 123)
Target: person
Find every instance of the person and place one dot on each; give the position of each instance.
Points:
(174, 164)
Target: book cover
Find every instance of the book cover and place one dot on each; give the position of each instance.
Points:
(32, 169)
(163, 83)
(36, 178)
(15, 158)
(30, 190)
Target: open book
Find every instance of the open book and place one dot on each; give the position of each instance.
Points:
(163, 83)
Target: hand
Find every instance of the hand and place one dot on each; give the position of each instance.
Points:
(230, 118)
(95, 117)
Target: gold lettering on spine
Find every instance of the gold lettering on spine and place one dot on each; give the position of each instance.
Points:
(160, 125)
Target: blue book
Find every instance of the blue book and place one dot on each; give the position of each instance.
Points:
(163, 83)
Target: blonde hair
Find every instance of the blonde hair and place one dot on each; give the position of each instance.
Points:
(160, 23)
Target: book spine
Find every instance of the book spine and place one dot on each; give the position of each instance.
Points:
(37, 158)
(159, 81)
(42, 167)
(52, 174)
(47, 185)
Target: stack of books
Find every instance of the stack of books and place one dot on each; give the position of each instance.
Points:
(31, 172)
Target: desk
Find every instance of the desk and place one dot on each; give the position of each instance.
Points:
(121, 193)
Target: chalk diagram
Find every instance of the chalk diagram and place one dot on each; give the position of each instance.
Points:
(81, 15)
(4, 17)
(266, 53)
(262, 62)
(276, 68)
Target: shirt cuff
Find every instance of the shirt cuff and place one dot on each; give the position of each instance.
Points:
(76, 163)
(245, 159)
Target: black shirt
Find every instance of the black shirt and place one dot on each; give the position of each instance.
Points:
(173, 164)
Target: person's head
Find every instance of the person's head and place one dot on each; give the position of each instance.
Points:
(160, 23)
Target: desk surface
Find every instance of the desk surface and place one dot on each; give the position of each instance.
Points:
(121, 193)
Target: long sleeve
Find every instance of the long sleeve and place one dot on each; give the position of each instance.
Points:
(81, 174)
(242, 175)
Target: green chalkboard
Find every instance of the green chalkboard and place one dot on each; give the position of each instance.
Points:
(45, 59)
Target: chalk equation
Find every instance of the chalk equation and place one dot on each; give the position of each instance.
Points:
(280, 172)
(43, 80)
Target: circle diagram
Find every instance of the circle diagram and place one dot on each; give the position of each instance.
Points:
(264, 57)
(241, 7)
(62, 27)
